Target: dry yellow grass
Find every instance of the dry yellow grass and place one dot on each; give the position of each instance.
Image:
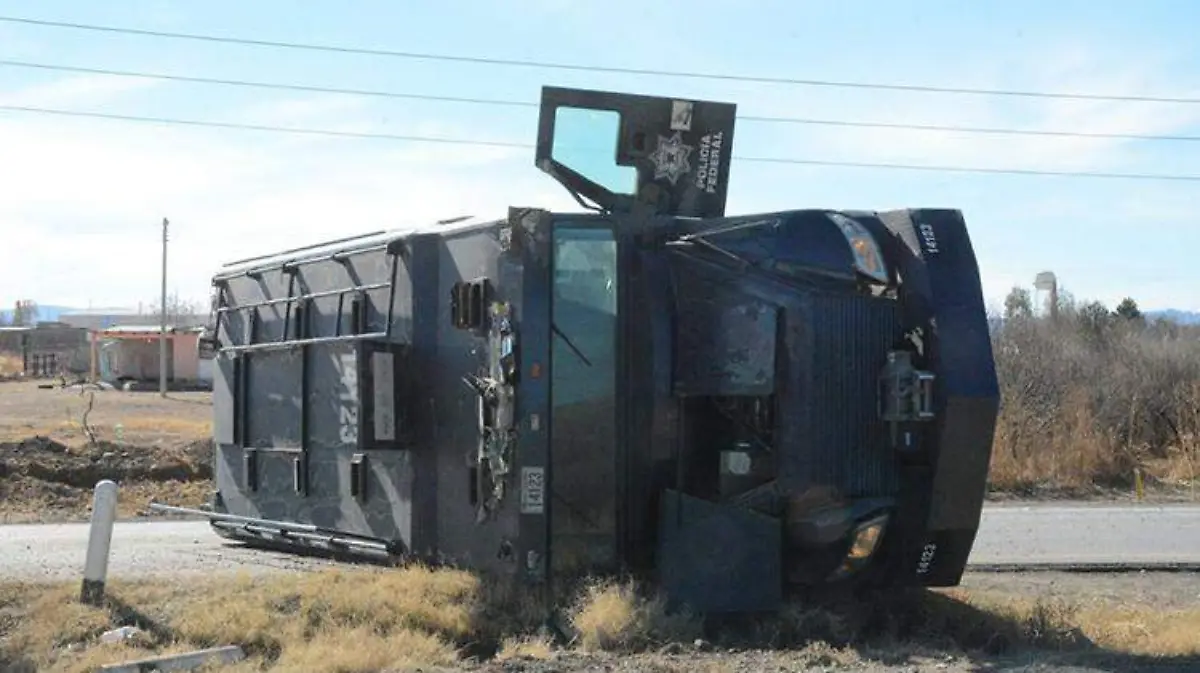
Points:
(1132, 628)
(615, 617)
(366, 620)
(332, 621)
(536, 647)
(133, 418)
(111, 427)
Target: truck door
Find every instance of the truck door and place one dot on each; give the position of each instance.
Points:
(629, 158)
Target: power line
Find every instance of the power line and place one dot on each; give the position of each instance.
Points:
(978, 169)
(267, 85)
(549, 65)
(529, 104)
(985, 130)
(515, 145)
(262, 127)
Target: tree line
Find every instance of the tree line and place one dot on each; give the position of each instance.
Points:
(1090, 396)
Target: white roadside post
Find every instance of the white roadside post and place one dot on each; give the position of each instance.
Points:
(104, 514)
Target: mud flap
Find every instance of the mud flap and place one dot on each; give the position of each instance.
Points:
(716, 558)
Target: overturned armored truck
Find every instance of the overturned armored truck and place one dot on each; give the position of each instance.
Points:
(733, 405)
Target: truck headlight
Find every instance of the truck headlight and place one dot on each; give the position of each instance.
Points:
(864, 541)
(868, 260)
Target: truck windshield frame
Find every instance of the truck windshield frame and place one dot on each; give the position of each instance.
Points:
(584, 394)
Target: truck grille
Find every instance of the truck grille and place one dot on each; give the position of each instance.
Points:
(844, 444)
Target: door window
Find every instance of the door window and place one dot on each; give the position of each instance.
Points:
(583, 397)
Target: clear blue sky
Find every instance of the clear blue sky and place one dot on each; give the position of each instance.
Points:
(89, 194)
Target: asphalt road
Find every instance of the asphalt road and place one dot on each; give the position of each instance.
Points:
(1034, 536)
(1088, 535)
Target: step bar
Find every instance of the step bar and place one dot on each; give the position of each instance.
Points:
(293, 534)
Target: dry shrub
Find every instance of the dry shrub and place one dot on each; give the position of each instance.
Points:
(1089, 399)
(1067, 451)
(617, 616)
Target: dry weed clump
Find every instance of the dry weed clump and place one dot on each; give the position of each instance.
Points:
(617, 616)
(536, 647)
(1093, 398)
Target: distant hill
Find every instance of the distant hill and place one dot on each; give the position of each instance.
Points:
(45, 313)
(1177, 316)
(102, 317)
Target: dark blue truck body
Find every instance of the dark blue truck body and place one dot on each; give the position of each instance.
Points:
(734, 405)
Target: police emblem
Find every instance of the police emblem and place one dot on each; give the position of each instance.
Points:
(671, 158)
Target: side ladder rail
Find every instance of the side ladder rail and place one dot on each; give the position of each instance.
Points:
(301, 338)
(297, 336)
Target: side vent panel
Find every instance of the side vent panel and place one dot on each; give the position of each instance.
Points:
(468, 303)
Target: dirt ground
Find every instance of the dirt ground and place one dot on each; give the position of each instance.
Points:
(53, 449)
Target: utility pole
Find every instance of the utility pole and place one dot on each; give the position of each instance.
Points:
(162, 336)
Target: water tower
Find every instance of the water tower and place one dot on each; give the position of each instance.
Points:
(1045, 287)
